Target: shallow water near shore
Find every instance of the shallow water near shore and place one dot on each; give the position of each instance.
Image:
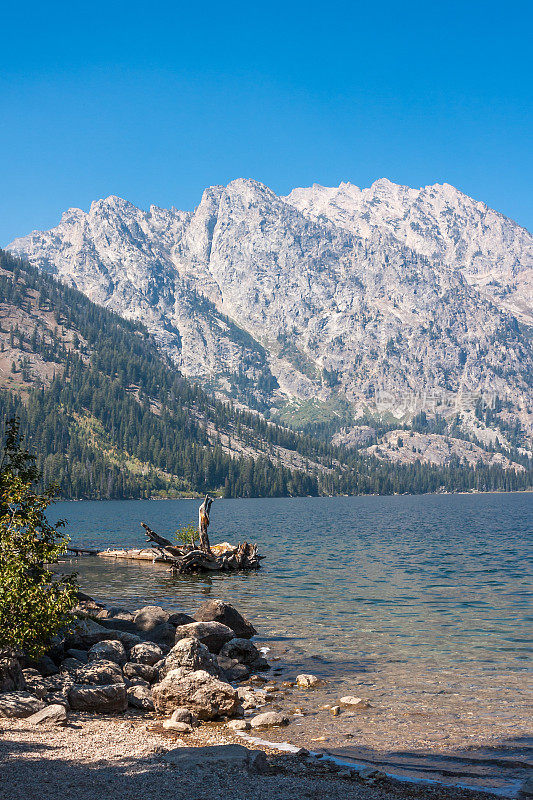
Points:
(422, 605)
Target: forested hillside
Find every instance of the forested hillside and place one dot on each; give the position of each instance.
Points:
(109, 416)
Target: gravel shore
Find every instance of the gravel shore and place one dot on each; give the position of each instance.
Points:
(125, 758)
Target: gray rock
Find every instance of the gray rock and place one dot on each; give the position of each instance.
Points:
(11, 677)
(215, 757)
(71, 665)
(145, 671)
(147, 618)
(218, 611)
(99, 672)
(250, 699)
(119, 624)
(80, 655)
(176, 726)
(136, 681)
(146, 653)
(213, 634)
(177, 618)
(19, 704)
(355, 703)
(57, 699)
(190, 654)
(50, 715)
(244, 651)
(34, 682)
(129, 640)
(46, 666)
(116, 613)
(86, 632)
(269, 719)
(163, 634)
(108, 651)
(140, 697)
(233, 670)
(106, 699)
(306, 681)
(181, 714)
(238, 725)
(199, 691)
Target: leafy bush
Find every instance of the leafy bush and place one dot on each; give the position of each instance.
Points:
(186, 534)
(34, 604)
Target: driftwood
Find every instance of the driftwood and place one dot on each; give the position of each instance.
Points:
(192, 559)
(203, 524)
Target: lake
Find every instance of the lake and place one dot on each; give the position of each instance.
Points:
(345, 580)
(420, 605)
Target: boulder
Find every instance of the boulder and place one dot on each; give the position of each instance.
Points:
(145, 671)
(136, 681)
(238, 725)
(140, 697)
(250, 699)
(57, 699)
(146, 653)
(119, 624)
(46, 666)
(180, 619)
(218, 611)
(106, 699)
(233, 670)
(108, 651)
(129, 640)
(71, 665)
(148, 617)
(19, 704)
(217, 757)
(269, 719)
(120, 614)
(242, 650)
(86, 632)
(11, 677)
(190, 654)
(80, 655)
(305, 681)
(50, 715)
(199, 691)
(34, 682)
(163, 634)
(99, 673)
(213, 634)
(184, 715)
(177, 727)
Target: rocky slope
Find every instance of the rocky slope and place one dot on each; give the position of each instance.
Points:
(394, 299)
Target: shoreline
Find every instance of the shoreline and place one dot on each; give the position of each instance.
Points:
(380, 740)
(528, 490)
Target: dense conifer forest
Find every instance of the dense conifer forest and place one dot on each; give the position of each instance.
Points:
(117, 420)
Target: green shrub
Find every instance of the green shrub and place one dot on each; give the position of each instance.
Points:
(186, 534)
(34, 604)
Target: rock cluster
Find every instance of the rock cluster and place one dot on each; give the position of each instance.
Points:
(151, 659)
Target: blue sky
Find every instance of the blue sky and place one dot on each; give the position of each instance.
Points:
(153, 102)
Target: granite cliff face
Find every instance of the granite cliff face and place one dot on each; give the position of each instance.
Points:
(391, 298)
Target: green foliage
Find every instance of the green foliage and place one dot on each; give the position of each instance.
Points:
(186, 534)
(34, 604)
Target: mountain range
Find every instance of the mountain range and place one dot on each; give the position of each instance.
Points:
(335, 305)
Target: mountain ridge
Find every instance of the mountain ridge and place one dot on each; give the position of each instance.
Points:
(381, 296)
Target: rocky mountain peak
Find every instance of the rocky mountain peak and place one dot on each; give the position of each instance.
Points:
(328, 292)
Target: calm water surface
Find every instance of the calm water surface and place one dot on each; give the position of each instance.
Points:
(346, 581)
